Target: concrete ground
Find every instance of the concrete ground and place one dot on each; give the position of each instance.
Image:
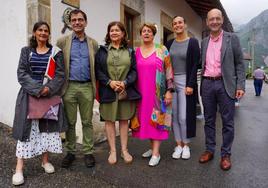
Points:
(249, 159)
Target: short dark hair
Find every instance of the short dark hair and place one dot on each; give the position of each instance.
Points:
(149, 25)
(122, 27)
(77, 11)
(33, 42)
(184, 20)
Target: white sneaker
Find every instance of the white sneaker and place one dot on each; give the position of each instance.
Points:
(49, 168)
(154, 160)
(177, 152)
(200, 117)
(186, 152)
(17, 178)
(147, 154)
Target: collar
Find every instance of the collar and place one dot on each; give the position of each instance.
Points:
(74, 36)
(110, 46)
(215, 39)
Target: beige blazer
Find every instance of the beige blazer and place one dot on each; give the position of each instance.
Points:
(65, 44)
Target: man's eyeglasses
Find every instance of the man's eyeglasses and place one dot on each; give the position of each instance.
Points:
(78, 19)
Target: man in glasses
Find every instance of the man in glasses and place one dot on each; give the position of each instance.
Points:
(79, 89)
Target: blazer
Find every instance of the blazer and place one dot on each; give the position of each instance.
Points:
(106, 93)
(65, 44)
(232, 65)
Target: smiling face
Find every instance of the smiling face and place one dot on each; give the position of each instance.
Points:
(215, 21)
(42, 34)
(78, 23)
(179, 25)
(116, 34)
(147, 34)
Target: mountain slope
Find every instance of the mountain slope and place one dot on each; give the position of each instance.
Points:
(257, 28)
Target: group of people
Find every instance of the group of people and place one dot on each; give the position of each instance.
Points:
(153, 87)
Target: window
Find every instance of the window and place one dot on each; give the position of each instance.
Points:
(129, 20)
(167, 35)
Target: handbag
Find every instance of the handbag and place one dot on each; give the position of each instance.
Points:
(134, 124)
(43, 108)
(122, 95)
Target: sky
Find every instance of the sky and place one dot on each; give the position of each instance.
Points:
(242, 11)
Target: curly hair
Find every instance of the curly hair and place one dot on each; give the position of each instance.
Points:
(121, 26)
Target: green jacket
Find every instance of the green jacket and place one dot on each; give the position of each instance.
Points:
(65, 44)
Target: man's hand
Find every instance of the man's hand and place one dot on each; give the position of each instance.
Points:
(239, 93)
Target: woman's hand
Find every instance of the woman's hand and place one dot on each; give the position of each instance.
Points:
(113, 84)
(44, 91)
(117, 86)
(189, 91)
(122, 85)
(168, 97)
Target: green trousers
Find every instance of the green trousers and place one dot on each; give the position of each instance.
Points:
(79, 95)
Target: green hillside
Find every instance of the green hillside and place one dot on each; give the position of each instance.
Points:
(256, 30)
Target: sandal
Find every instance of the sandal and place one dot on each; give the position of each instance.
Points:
(112, 157)
(126, 156)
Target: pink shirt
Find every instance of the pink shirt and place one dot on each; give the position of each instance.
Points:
(213, 56)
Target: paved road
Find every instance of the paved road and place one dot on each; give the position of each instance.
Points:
(249, 157)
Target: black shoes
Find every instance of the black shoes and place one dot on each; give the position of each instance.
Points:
(89, 160)
(67, 160)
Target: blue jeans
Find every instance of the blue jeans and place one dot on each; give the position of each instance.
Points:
(258, 86)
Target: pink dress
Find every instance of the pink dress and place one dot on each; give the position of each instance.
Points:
(146, 68)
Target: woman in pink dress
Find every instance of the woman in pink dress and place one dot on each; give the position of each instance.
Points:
(155, 83)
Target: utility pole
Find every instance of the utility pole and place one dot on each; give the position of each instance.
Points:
(252, 50)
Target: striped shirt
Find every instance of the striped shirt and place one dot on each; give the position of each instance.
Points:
(38, 65)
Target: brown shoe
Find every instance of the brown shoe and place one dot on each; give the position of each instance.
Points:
(205, 157)
(225, 162)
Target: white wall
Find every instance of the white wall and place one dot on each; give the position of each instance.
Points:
(153, 10)
(13, 32)
(99, 14)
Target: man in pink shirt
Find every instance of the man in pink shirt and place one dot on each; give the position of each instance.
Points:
(223, 80)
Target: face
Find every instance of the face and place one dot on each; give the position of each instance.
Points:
(147, 34)
(41, 34)
(116, 34)
(215, 20)
(78, 23)
(179, 25)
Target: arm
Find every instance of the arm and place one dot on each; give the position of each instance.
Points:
(101, 74)
(196, 59)
(239, 66)
(168, 71)
(28, 84)
(169, 77)
(132, 73)
(57, 82)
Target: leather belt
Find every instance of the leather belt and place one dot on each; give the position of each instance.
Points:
(212, 78)
(80, 82)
